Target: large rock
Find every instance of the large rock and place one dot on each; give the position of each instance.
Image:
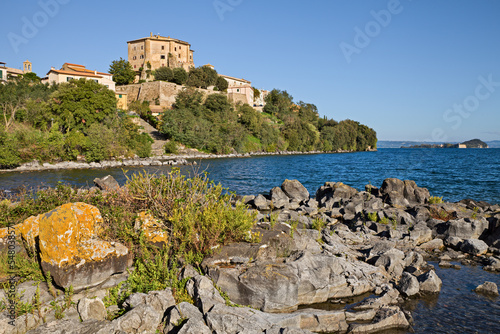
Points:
(464, 228)
(91, 309)
(386, 318)
(395, 190)
(295, 190)
(71, 250)
(304, 278)
(430, 282)
(488, 288)
(334, 192)
(474, 247)
(106, 183)
(278, 198)
(408, 285)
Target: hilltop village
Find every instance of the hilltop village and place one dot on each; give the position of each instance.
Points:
(155, 103)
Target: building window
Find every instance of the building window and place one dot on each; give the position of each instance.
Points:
(69, 78)
(238, 90)
(134, 48)
(135, 66)
(179, 55)
(134, 57)
(179, 47)
(162, 57)
(175, 49)
(120, 96)
(142, 47)
(142, 56)
(96, 80)
(163, 47)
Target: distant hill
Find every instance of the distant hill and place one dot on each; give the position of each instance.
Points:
(493, 143)
(399, 144)
(475, 143)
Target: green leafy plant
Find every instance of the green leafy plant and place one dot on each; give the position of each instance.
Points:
(435, 200)
(384, 221)
(318, 224)
(372, 216)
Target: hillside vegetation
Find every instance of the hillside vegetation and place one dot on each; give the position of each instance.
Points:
(63, 122)
(213, 124)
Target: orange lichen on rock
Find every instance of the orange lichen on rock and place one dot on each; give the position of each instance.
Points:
(152, 229)
(65, 230)
(28, 230)
(71, 250)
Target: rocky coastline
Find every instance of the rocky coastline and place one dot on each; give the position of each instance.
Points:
(186, 158)
(331, 246)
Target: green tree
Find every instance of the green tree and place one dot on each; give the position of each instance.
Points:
(221, 84)
(164, 73)
(278, 103)
(80, 103)
(123, 73)
(202, 77)
(180, 76)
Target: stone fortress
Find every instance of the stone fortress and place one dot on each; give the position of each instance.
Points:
(150, 53)
(159, 51)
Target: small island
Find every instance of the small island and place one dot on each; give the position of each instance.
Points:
(474, 143)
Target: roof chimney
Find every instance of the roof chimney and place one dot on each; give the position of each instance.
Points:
(151, 34)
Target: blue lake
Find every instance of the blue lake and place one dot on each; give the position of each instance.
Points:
(454, 174)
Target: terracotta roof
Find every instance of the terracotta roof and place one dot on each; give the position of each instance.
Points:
(74, 65)
(82, 74)
(81, 68)
(227, 76)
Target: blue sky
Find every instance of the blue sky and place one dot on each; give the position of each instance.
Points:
(410, 69)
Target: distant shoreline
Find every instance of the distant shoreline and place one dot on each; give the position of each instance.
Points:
(163, 160)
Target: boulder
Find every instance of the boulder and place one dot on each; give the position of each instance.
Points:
(295, 190)
(153, 229)
(278, 198)
(395, 190)
(487, 288)
(408, 285)
(261, 203)
(432, 245)
(430, 282)
(304, 278)
(106, 183)
(181, 311)
(474, 247)
(204, 293)
(333, 192)
(91, 309)
(465, 228)
(71, 250)
(386, 318)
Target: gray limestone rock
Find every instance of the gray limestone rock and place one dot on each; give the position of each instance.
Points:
(487, 288)
(91, 309)
(106, 183)
(474, 247)
(408, 285)
(295, 190)
(430, 282)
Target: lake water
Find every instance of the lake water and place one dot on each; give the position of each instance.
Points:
(454, 174)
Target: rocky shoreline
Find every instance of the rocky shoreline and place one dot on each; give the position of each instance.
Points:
(161, 160)
(335, 245)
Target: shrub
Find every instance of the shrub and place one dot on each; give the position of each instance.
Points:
(171, 147)
(435, 200)
(372, 216)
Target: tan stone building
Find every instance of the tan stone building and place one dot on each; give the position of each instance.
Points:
(9, 72)
(239, 90)
(74, 71)
(159, 51)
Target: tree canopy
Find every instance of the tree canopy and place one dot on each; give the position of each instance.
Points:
(122, 71)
